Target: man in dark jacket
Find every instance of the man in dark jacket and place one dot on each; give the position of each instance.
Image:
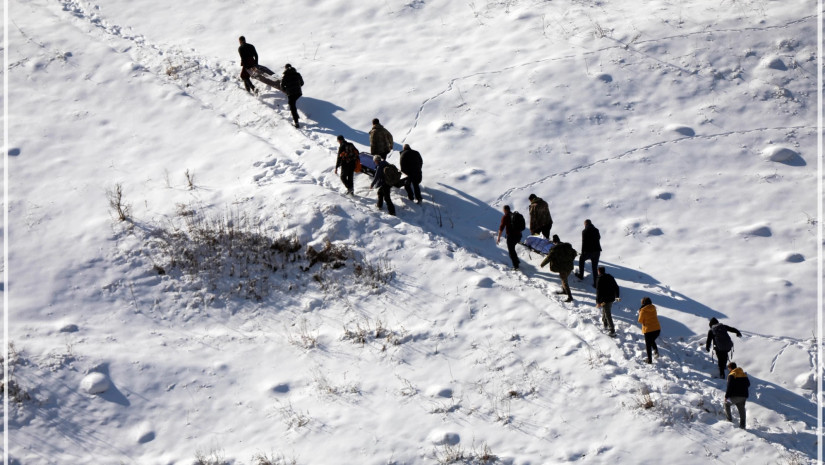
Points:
(291, 83)
(736, 392)
(607, 292)
(380, 140)
(513, 236)
(591, 249)
(560, 258)
(383, 187)
(347, 156)
(540, 219)
(249, 59)
(722, 343)
(411, 163)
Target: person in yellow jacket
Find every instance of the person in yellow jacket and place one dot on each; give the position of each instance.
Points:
(650, 327)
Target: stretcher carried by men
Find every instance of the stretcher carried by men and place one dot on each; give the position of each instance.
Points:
(537, 244)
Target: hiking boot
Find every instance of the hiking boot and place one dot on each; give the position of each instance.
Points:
(579, 276)
(297, 126)
(648, 361)
(569, 299)
(612, 334)
(418, 201)
(561, 292)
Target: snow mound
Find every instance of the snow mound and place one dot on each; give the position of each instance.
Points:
(758, 230)
(779, 153)
(806, 381)
(144, 433)
(604, 77)
(69, 328)
(440, 391)
(795, 258)
(440, 438)
(774, 62)
(663, 195)
(95, 383)
(485, 282)
(686, 131)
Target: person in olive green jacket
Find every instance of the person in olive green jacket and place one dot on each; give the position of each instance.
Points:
(650, 327)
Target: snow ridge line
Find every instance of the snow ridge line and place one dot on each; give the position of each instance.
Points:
(498, 201)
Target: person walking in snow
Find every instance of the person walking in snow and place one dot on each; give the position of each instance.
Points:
(291, 84)
(347, 159)
(540, 220)
(560, 258)
(650, 327)
(380, 140)
(591, 249)
(411, 163)
(383, 186)
(607, 292)
(513, 235)
(249, 60)
(736, 392)
(722, 343)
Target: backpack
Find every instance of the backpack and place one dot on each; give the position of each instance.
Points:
(517, 220)
(721, 339)
(391, 175)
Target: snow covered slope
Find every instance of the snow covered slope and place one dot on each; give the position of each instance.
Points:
(686, 131)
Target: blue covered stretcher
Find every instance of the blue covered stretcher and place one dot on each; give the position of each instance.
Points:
(537, 244)
(367, 165)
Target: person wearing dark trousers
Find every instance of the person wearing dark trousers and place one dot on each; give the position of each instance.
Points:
(347, 156)
(291, 83)
(591, 249)
(513, 236)
(383, 187)
(650, 327)
(249, 59)
(736, 392)
(560, 258)
(540, 220)
(411, 163)
(722, 343)
(380, 140)
(607, 292)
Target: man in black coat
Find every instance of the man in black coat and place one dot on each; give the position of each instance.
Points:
(736, 392)
(291, 83)
(607, 291)
(411, 163)
(347, 156)
(249, 59)
(722, 343)
(513, 236)
(591, 249)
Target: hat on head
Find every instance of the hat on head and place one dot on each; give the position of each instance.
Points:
(556, 238)
(532, 196)
(713, 321)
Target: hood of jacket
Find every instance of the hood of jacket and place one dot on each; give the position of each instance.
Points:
(738, 372)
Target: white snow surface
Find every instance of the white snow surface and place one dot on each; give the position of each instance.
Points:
(686, 131)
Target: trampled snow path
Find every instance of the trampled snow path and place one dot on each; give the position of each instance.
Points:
(214, 86)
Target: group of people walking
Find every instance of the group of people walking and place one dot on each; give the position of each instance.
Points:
(387, 175)
(561, 257)
(290, 83)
